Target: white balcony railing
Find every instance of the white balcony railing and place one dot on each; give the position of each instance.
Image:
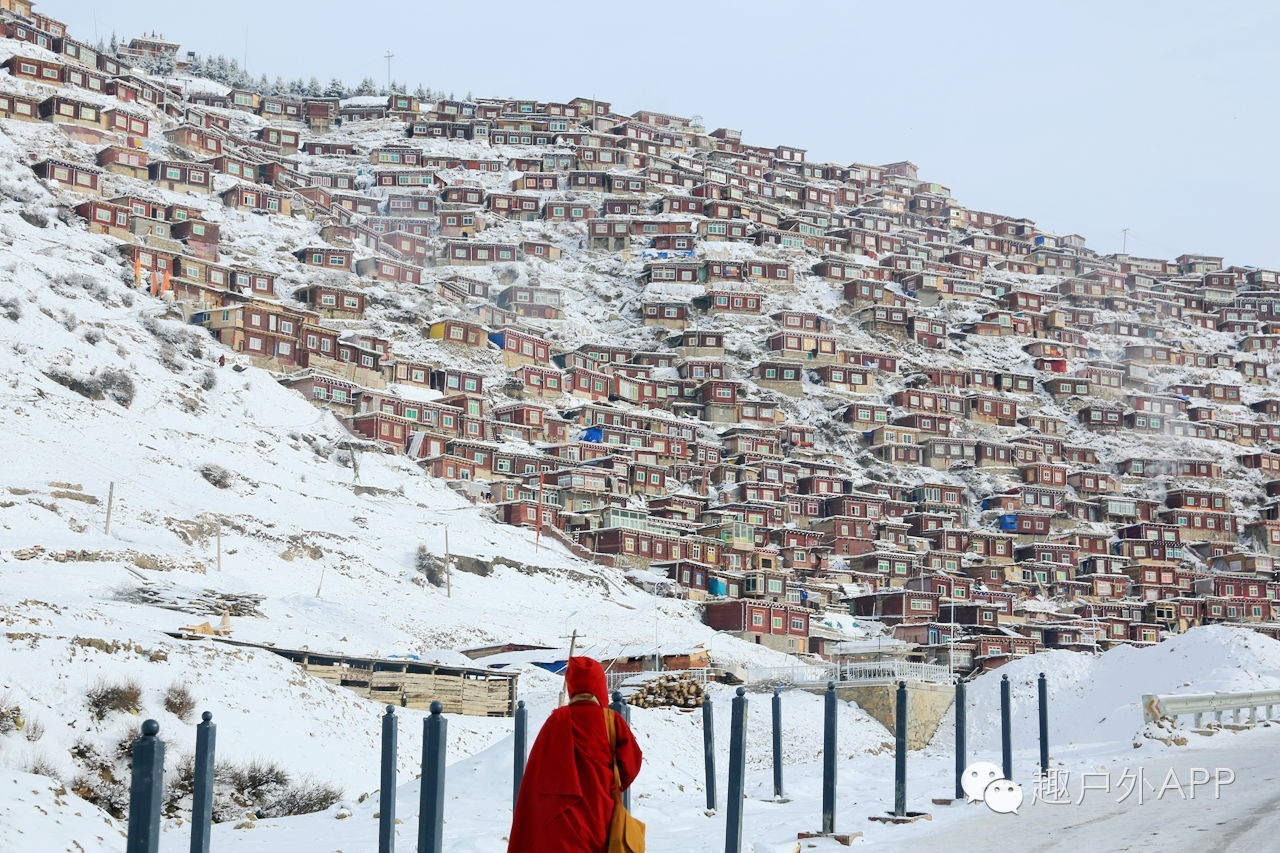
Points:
(879, 672)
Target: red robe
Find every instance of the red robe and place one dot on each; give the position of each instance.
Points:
(566, 796)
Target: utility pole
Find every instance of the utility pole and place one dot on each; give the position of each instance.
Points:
(390, 56)
(564, 687)
(448, 567)
(111, 496)
(1124, 244)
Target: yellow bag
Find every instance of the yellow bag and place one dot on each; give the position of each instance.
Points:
(626, 834)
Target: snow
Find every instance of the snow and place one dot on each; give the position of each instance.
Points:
(39, 814)
(327, 534)
(669, 793)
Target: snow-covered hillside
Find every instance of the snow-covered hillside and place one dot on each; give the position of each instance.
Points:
(324, 528)
(157, 479)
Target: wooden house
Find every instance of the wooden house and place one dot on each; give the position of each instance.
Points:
(181, 175)
(68, 175)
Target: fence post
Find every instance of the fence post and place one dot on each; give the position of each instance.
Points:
(1006, 729)
(431, 801)
(709, 750)
(146, 788)
(623, 710)
(829, 761)
(900, 753)
(960, 733)
(387, 784)
(1044, 723)
(777, 743)
(202, 785)
(737, 772)
(521, 750)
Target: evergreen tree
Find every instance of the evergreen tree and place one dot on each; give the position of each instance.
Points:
(114, 46)
(263, 86)
(335, 89)
(218, 68)
(280, 86)
(313, 89)
(367, 87)
(421, 93)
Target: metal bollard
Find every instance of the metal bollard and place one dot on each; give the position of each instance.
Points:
(521, 750)
(900, 753)
(623, 710)
(1044, 724)
(829, 761)
(202, 785)
(737, 773)
(387, 782)
(777, 743)
(146, 788)
(1006, 729)
(709, 750)
(960, 733)
(431, 802)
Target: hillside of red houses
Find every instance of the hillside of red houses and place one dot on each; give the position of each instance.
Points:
(781, 387)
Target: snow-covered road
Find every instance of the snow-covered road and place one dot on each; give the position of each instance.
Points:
(1243, 815)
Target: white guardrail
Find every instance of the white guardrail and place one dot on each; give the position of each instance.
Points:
(1173, 706)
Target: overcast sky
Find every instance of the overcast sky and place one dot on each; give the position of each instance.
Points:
(1162, 117)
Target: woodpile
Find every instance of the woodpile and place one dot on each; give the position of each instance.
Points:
(676, 690)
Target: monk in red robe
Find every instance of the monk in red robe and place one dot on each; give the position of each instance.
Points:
(566, 796)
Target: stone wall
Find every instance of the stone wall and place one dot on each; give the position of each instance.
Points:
(926, 705)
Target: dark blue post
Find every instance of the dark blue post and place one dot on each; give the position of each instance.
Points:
(737, 773)
(387, 783)
(1006, 729)
(900, 753)
(146, 787)
(777, 743)
(1044, 725)
(709, 750)
(431, 802)
(960, 747)
(829, 762)
(623, 710)
(202, 786)
(521, 750)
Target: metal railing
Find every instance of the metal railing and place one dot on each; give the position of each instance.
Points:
(1172, 706)
(860, 673)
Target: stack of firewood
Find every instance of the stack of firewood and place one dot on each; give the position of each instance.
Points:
(676, 690)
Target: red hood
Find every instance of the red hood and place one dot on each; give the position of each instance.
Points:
(585, 675)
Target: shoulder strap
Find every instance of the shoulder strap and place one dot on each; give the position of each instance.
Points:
(611, 728)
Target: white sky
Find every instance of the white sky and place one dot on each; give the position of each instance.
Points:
(1089, 117)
